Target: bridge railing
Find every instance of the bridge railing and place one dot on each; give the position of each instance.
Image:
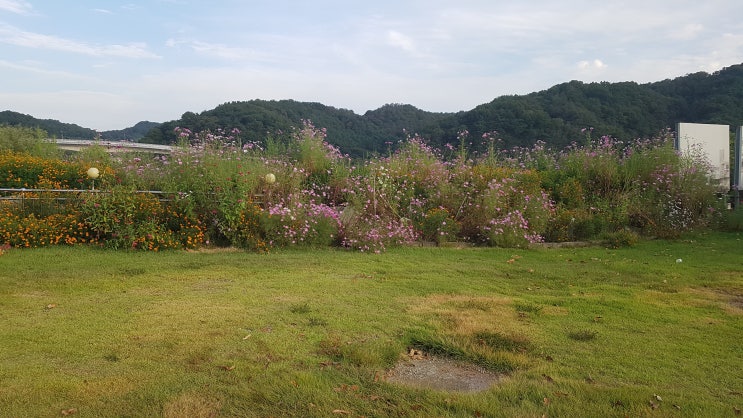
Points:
(111, 146)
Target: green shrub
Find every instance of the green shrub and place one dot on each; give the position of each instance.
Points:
(242, 225)
(572, 225)
(31, 141)
(622, 238)
(439, 226)
(123, 219)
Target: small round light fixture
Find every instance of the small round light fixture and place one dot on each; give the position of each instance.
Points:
(93, 173)
(270, 178)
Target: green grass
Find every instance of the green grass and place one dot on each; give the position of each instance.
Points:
(579, 332)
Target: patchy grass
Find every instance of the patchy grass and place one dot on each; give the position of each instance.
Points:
(583, 335)
(579, 331)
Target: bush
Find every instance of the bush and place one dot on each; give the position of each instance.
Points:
(622, 238)
(123, 219)
(439, 226)
(516, 210)
(573, 225)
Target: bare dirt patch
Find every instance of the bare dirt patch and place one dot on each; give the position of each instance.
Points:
(730, 299)
(736, 302)
(424, 371)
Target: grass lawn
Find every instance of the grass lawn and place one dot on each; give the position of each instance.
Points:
(576, 331)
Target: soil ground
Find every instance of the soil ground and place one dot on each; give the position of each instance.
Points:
(443, 374)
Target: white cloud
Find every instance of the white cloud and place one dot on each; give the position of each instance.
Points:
(16, 6)
(398, 40)
(36, 68)
(131, 50)
(687, 32)
(592, 65)
(14, 36)
(213, 50)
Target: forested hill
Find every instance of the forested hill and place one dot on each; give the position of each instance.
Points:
(354, 134)
(52, 127)
(556, 116)
(625, 110)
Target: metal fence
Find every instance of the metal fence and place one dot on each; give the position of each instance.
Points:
(47, 201)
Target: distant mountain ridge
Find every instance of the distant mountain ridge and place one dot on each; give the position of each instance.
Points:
(625, 110)
(556, 116)
(60, 130)
(134, 133)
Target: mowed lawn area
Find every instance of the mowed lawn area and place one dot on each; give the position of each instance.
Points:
(654, 330)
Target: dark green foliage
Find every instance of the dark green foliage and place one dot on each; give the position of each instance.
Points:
(496, 341)
(582, 335)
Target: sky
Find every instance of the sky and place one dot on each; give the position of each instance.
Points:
(109, 64)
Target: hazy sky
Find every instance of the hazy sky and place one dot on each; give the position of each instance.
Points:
(109, 64)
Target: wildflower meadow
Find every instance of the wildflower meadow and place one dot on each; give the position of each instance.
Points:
(295, 189)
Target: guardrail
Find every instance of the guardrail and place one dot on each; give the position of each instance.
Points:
(53, 200)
